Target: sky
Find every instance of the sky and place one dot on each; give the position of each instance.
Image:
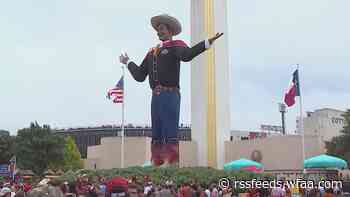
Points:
(59, 58)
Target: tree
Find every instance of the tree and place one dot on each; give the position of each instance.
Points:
(7, 144)
(340, 145)
(37, 148)
(72, 158)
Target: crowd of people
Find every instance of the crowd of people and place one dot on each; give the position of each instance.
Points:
(123, 187)
(115, 187)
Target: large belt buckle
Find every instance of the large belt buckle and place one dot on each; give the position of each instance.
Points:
(157, 90)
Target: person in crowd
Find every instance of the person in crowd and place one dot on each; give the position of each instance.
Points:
(140, 191)
(338, 190)
(253, 192)
(185, 190)
(157, 190)
(294, 190)
(321, 190)
(166, 191)
(207, 191)
(148, 188)
(5, 192)
(102, 187)
(65, 188)
(312, 192)
(214, 191)
(82, 187)
(288, 191)
(135, 190)
(54, 188)
(20, 194)
(328, 193)
(302, 191)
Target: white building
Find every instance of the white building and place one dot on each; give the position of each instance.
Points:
(238, 135)
(324, 123)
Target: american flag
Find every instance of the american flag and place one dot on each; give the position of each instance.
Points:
(117, 91)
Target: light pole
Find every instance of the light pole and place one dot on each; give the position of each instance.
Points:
(282, 109)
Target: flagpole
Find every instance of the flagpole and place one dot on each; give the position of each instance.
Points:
(301, 124)
(123, 119)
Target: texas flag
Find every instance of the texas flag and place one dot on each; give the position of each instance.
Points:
(293, 90)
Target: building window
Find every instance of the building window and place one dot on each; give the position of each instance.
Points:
(337, 121)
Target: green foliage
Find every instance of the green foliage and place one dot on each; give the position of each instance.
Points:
(340, 145)
(37, 148)
(7, 147)
(72, 158)
(202, 175)
(2, 179)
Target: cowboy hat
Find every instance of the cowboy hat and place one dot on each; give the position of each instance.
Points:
(165, 19)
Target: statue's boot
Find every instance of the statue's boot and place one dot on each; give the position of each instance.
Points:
(172, 150)
(157, 157)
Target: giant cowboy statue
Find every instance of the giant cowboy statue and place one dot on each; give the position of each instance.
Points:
(162, 66)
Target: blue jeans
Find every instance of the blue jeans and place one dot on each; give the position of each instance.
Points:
(165, 111)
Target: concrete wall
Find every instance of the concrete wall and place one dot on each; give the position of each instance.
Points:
(108, 154)
(278, 152)
(188, 154)
(137, 151)
(91, 163)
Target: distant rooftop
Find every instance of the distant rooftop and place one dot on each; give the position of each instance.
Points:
(104, 127)
(329, 109)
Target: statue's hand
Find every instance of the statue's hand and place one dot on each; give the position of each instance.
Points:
(212, 39)
(123, 58)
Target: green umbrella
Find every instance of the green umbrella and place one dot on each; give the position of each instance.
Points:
(325, 161)
(241, 163)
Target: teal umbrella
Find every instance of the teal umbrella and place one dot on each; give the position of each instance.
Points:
(147, 164)
(325, 161)
(242, 164)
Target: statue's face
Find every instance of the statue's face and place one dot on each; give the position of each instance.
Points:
(164, 33)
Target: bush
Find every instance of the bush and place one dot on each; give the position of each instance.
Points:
(2, 179)
(202, 175)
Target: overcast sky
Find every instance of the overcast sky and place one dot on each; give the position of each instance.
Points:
(58, 58)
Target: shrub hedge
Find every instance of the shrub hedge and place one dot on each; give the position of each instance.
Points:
(201, 175)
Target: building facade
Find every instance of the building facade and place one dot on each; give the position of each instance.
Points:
(4, 133)
(325, 123)
(268, 146)
(238, 135)
(91, 136)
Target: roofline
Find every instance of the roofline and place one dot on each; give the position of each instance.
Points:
(327, 108)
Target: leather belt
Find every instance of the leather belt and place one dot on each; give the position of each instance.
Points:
(159, 88)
